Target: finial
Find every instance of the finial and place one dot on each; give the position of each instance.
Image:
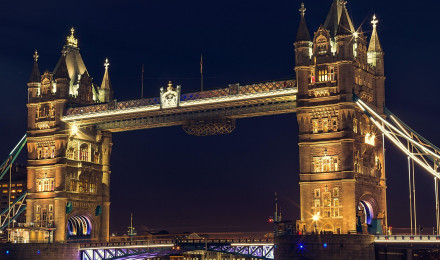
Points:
(374, 21)
(170, 85)
(302, 10)
(71, 40)
(36, 56)
(342, 3)
(106, 64)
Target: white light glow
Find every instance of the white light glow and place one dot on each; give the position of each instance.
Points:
(251, 244)
(74, 130)
(370, 139)
(316, 217)
(123, 247)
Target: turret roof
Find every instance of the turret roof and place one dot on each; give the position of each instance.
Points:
(303, 33)
(344, 27)
(374, 41)
(334, 16)
(35, 74)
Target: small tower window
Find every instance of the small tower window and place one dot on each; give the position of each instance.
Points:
(331, 73)
(312, 76)
(84, 152)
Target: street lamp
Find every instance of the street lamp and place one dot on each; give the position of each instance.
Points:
(315, 219)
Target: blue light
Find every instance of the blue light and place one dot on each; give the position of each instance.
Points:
(325, 245)
(38, 252)
(301, 246)
(7, 252)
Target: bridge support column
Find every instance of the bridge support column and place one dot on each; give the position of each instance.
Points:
(60, 220)
(105, 222)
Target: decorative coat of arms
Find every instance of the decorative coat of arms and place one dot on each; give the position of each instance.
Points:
(171, 97)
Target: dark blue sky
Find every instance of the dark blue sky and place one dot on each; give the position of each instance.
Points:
(174, 181)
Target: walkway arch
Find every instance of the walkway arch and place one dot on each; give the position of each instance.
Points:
(79, 226)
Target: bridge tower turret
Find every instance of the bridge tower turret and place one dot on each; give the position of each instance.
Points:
(342, 181)
(68, 168)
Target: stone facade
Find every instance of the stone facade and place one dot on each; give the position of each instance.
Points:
(68, 168)
(342, 176)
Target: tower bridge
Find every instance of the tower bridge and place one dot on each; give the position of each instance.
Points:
(338, 96)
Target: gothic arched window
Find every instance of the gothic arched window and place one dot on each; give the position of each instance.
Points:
(84, 152)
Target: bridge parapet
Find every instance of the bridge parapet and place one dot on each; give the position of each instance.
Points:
(232, 90)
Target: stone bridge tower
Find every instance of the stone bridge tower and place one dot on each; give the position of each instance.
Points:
(68, 168)
(342, 175)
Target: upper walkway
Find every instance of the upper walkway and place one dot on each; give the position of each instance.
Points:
(233, 102)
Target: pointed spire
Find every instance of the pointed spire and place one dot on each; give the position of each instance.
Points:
(303, 32)
(334, 16)
(61, 71)
(374, 42)
(35, 74)
(345, 27)
(106, 80)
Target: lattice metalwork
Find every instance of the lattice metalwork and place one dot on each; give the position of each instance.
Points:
(213, 126)
(232, 90)
(267, 86)
(254, 251)
(124, 253)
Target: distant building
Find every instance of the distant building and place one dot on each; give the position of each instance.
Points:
(14, 188)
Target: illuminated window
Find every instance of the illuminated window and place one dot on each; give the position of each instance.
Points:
(317, 192)
(335, 202)
(44, 215)
(325, 125)
(38, 208)
(19, 184)
(5, 191)
(327, 199)
(52, 152)
(50, 207)
(37, 217)
(335, 192)
(92, 187)
(325, 163)
(335, 124)
(315, 124)
(312, 76)
(73, 185)
(4, 185)
(13, 191)
(331, 73)
(96, 157)
(46, 184)
(322, 74)
(13, 185)
(326, 213)
(84, 152)
(12, 197)
(336, 212)
(317, 203)
(71, 153)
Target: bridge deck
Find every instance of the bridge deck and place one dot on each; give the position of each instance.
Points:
(233, 102)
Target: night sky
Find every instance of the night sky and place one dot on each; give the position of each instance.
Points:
(174, 181)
